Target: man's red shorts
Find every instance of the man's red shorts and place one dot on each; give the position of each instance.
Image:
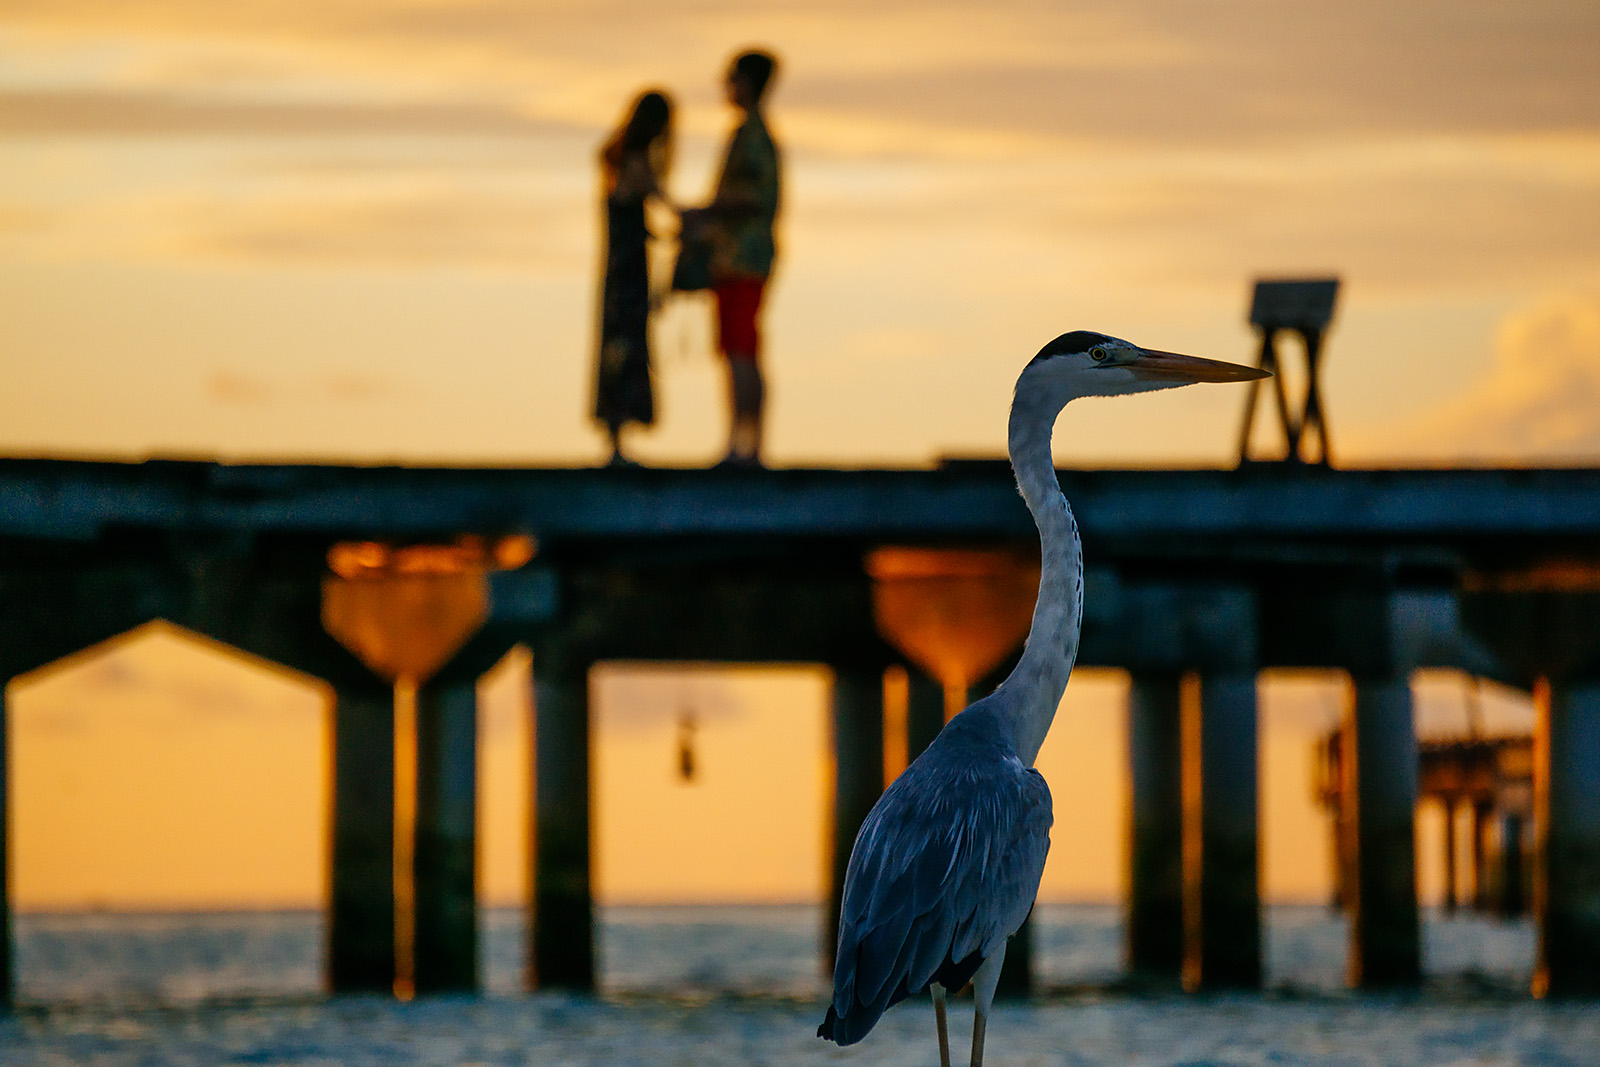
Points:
(738, 305)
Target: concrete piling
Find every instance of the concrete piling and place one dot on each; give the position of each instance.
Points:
(1567, 814)
(7, 978)
(361, 923)
(561, 928)
(857, 778)
(445, 860)
(1380, 769)
(1452, 874)
(1482, 831)
(1512, 876)
(1153, 948)
(924, 713)
(1222, 901)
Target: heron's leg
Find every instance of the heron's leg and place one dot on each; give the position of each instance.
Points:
(983, 986)
(938, 1017)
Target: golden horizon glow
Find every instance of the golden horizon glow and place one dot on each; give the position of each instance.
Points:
(750, 829)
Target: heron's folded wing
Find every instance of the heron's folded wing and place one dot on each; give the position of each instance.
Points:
(998, 885)
(938, 877)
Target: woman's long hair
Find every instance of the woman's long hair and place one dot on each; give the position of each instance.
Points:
(647, 129)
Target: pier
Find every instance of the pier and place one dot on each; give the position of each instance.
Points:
(1490, 780)
(1196, 581)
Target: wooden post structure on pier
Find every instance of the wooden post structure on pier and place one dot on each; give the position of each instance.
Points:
(1304, 307)
(857, 777)
(1380, 788)
(1153, 950)
(1567, 814)
(561, 930)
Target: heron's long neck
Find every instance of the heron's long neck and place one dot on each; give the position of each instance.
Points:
(1034, 687)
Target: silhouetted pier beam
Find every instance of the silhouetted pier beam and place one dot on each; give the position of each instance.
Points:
(1154, 945)
(1380, 769)
(1567, 808)
(445, 860)
(857, 779)
(1222, 899)
(561, 931)
(361, 922)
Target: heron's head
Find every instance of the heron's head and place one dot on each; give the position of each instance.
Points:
(1084, 363)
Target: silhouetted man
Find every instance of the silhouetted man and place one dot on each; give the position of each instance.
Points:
(743, 212)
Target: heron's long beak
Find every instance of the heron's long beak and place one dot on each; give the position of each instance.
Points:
(1172, 367)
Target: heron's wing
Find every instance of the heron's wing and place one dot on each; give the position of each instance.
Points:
(945, 868)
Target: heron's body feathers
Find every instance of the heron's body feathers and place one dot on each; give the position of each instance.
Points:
(945, 868)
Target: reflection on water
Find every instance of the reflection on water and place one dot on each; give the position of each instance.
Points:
(186, 958)
(167, 957)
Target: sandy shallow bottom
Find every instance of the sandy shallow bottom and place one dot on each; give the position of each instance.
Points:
(550, 1030)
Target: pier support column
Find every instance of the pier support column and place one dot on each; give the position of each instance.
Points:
(1452, 869)
(7, 978)
(1380, 785)
(924, 712)
(1222, 901)
(1513, 866)
(562, 926)
(1482, 881)
(361, 923)
(1567, 814)
(857, 779)
(1154, 946)
(445, 861)
(1016, 970)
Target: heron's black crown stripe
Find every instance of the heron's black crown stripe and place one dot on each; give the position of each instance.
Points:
(1076, 341)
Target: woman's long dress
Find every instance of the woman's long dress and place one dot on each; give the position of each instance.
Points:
(623, 391)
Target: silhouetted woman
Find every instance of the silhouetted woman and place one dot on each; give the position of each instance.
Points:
(633, 168)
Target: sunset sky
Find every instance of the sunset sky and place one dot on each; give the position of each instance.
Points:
(366, 231)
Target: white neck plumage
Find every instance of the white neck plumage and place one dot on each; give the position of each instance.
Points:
(1033, 689)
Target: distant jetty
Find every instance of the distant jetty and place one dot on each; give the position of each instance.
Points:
(1198, 579)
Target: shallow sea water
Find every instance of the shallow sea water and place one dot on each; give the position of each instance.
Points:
(713, 986)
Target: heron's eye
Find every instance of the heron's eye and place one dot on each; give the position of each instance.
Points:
(1097, 353)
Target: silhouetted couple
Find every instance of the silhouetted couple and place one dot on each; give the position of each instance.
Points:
(726, 246)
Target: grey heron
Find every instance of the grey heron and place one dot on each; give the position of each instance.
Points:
(947, 864)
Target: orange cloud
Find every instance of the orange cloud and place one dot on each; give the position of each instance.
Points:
(1540, 401)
